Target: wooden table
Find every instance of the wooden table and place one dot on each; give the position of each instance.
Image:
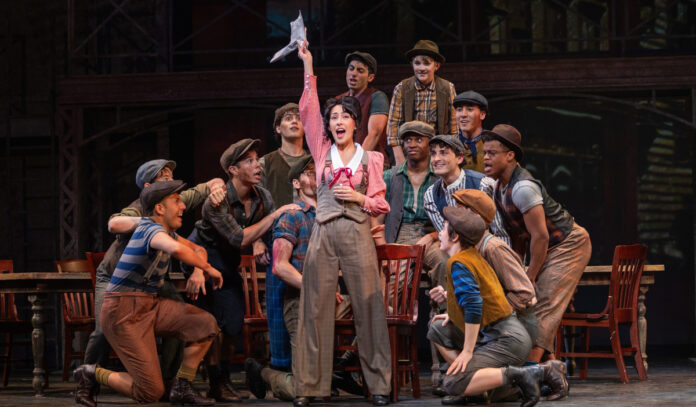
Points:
(38, 286)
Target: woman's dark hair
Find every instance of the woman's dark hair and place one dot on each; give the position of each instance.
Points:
(350, 105)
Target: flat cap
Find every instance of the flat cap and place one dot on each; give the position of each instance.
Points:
(157, 191)
(365, 58)
(471, 98)
(280, 112)
(236, 151)
(507, 135)
(418, 127)
(452, 141)
(478, 201)
(299, 167)
(469, 226)
(148, 171)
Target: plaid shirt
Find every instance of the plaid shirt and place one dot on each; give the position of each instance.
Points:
(295, 227)
(414, 210)
(425, 110)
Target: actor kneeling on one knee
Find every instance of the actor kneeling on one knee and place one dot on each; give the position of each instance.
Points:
(479, 335)
(132, 313)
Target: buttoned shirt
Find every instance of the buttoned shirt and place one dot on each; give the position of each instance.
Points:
(414, 209)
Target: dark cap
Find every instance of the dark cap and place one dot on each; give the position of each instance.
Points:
(452, 142)
(157, 191)
(365, 58)
(425, 47)
(299, 167)
(466, 223)
(478, 201)
(148, 171)
(471, 98)
(280, 112)
(236, 151)
(417, 127)
(509, 136)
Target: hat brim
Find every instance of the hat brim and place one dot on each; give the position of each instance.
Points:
(251, 146)
(456, 103)
(415, 52)
(512, 146)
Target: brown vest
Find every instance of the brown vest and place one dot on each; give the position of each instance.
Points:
(276, 181)
(328, 207)
(442, 95)
(365, 99)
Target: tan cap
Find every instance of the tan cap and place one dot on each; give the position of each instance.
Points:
(477, 201)
(469, 226)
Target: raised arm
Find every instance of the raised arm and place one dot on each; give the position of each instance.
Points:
(310, 111)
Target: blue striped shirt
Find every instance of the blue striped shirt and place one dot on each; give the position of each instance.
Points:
(467, 293)
(136, 260)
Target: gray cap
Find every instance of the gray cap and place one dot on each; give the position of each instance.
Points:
(471, 98)
(451, 141)
(418, 127)
(148, 171)
(156, 192)
(236, 151)
(365, 58)
(300, 167)
(466, 223)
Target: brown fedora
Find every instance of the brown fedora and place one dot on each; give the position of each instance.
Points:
(425, 47)
(509, 136)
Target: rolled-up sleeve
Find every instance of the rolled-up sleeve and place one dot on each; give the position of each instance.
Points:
(195, 196)
(224, 223)
(376, 188)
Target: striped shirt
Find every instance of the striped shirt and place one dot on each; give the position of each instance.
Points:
(136, 260)
(467, 293)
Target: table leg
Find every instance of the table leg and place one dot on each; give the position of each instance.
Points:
(38, 342)
(642, 323)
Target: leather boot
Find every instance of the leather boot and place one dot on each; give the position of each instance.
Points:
(254, 379)
(221, 393)
(183, 393)
(527, 379)
(555, 377)
(87, 387)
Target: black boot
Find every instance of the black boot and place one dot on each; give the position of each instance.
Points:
(87, 387)
(527, 379)
(183, 393)
(255, 381)
(555, 378)
(221, 393)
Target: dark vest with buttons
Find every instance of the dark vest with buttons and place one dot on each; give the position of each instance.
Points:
(328, 207)
(559, 222)
(442, 95)
(472, 180)
(276, 171)
(365, 99)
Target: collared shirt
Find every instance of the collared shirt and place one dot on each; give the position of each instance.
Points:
(425, 109)
(296, 227)
(429, 200)
(414, 209)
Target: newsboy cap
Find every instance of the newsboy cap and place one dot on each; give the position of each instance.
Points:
(149, 170)
(299, 167)
(478, 201)
(509, 136)
(425, 47)
(417, 127)
(157, 191)
(469, 226)
(365, 58)
(471, 98)
(280, 112)
(236, 151)
(452, 142)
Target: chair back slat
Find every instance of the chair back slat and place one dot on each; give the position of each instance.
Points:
(8, 309)
(626, 272)
(76, 306)
(401, 266)
(250, 284)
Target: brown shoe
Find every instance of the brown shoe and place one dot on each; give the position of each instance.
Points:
(555, 377)
(183, 394)
(87, 387)
(221, 393)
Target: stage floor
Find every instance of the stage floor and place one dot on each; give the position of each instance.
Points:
(672, 382)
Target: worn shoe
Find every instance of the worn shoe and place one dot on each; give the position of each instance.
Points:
(439, 391)
(256, 383)
(230, 387)
(555, 377)
(527, 379)
(300, 401)
(87, 387)
(221, 393)
(380, 400)
(182, 393)
(346, 382)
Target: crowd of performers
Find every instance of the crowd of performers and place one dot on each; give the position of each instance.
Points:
(454, 188)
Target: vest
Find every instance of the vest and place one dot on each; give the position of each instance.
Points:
(559, 222)
(392, 222)
(495, 305)
(328, 207)
(472, 180)
(443, 97)
(365, 99)
(276, 171)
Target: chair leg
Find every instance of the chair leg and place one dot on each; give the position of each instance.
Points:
(585, 348)
(5, 368)
(393, 340)
(616, 349)
(415, 380)
(247, 341)
(638, 356)
(67, 353)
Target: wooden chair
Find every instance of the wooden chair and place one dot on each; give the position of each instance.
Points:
(399, 264)
(10, 323)
(255, 321)
(621, 307)
(78, 312)
(94, 259)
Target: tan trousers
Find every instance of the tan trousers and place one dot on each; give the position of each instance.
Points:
(345, 244)
(556, 282)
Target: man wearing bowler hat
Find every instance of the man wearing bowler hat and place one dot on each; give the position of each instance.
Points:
(559, 248)
(424, 96)
(361, 68)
